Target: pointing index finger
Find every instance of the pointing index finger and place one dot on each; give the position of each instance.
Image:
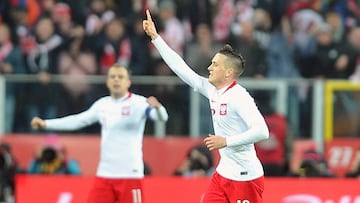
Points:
(148, 15)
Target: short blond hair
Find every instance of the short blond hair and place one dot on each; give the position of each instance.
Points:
(234, 59)
(116, 65)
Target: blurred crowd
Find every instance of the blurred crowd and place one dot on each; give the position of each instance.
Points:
(312, 39)
(279, 39)
(49, 159)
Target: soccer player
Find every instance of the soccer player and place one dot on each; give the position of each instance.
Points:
(237, 122)
(122, 116)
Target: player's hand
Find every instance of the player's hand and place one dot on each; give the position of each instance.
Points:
(149, 26)
(215, 142)
(37, 123)
(153, 102)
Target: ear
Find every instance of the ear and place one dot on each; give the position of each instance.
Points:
(229, 72)
(129, 83)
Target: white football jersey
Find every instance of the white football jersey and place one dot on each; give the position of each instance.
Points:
(234, 114)
(122, 128)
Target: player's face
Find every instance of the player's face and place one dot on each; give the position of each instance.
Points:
(118, 82)
(217, 71)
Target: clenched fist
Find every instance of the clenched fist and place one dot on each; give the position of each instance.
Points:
(37, 123)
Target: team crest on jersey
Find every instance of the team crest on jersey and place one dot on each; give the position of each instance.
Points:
(223, 109)
(125, 110)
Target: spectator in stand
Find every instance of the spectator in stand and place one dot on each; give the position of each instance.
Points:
(200, 50)
(280, 52)
(47, 7)
(129, 9)
(281, 65)
(223, 16)
(275, 8)
(34, 9)
(294, 6)
(354, 170)
(353, 50)
(243, 12)
(250, 48)
(42, 61)
(23, 37)
(8, 170)
(173, 31)
(41, 9)
(337, 26)
(313, 165)
(272, 151)
(115, 46)
(198, 163)
(304, 24)
(140, 50)
(21, 29)
(262, 27)
(99, 15)
(64, 24)
(11, 62)
(329, 61)
(5, 11)
(332, 61)
(348, 10)
(194, 13)
(78, 9)
(52, 159)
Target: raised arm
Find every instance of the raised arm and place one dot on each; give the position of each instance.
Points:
(172, 59)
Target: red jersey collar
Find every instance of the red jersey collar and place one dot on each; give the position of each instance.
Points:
(126, 97)
(222, 91)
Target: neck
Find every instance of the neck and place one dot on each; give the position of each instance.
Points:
(225, 84)
(118, 95)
